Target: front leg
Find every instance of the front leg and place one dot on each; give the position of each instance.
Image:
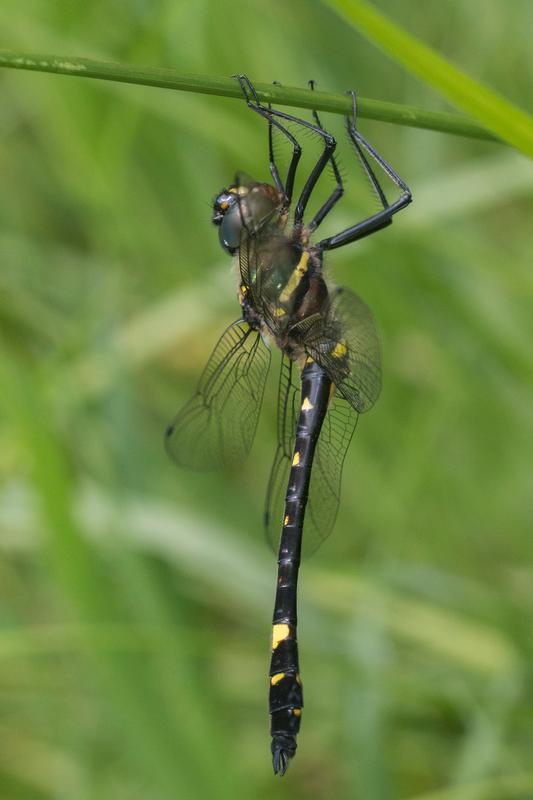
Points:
(382, 218)
(274, 117)
(339, 188)
(253, 102)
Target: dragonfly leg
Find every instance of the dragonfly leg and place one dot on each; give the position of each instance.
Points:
(275, 116)
(286, 189)
(253, 102)
(339, 189)
(383, 217)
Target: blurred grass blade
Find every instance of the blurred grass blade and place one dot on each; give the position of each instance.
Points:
(157, 702)
(504, 787)
(206, 551)
(492, 110)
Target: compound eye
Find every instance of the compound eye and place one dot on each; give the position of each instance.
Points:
(230, 229)
(222, 203)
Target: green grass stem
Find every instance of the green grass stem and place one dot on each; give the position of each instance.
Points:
(334, 102)
(493, 111)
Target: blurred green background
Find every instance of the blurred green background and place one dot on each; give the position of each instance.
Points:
(136, 598)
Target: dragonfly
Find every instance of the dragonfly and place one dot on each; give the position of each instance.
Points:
(330, 367)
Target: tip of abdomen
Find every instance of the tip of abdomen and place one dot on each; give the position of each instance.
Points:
(283, 749)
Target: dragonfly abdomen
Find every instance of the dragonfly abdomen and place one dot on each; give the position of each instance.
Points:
(286, 696)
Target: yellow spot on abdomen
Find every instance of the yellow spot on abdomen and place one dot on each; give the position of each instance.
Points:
(277, 678)
(286, 520)
(340, 350)
(279, 633)
(296, 459)
(297, 712)
(307, 405)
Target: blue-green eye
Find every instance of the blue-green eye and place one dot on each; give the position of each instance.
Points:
(230, 229)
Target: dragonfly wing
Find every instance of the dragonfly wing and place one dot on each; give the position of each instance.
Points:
(326, 473)
(217, 426)
(266, 261)
(345, 343)
(288, 408)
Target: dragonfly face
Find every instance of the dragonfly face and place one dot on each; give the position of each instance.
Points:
(330, 370)
(245, 206)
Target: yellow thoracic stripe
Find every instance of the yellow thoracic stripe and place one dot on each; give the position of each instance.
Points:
(295, 278)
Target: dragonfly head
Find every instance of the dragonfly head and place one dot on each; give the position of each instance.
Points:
(243, 209)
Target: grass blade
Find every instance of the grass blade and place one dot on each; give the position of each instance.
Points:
(493, 111)
(333, 102)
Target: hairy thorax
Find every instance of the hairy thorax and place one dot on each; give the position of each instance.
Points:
(290, 293)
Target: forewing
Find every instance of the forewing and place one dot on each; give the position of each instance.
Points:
(217, 426)
(326, 473)
(345, 343)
